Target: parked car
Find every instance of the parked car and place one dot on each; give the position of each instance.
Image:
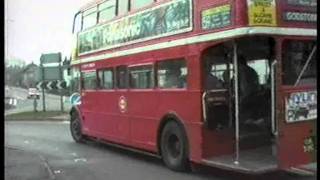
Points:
(33, 93)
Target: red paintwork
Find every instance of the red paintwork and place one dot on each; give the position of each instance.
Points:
(292, 135)
(139, 125)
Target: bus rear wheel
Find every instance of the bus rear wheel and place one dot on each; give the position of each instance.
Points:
(76, 128)
(174, 148)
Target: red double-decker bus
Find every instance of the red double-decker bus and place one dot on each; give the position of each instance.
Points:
(224, 83)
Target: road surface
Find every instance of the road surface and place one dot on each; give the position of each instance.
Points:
(45, 150)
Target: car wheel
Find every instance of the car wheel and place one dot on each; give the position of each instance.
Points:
(76, 128)
(174, 147)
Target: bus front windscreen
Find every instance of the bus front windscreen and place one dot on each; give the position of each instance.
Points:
(299, 63)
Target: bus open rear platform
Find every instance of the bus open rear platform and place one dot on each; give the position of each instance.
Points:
(258, 160)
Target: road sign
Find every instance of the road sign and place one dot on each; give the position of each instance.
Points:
(50, 73)
(61, 84)
(57, 84)
(50, 58)
(75, 99)
(49, 85)
(39, 85)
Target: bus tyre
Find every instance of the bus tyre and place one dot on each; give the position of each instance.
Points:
(174, 147)
(75, 128)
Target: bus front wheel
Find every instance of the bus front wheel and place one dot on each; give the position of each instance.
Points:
(174, 148)
(75, 128)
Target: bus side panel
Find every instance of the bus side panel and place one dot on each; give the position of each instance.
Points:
(292, 145)
(142, 105)
(114, 124)
(90, 122)
(186, 105)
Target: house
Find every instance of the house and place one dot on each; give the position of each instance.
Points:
(30, 75)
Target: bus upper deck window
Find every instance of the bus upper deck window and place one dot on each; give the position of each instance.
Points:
(136, 4)
(77, 23)
(295, 57)
(89, 18)
(123, 7)
(107, 10)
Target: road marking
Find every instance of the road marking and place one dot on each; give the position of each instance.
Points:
(65, 122)
(80, 159)
(57, 171)
(46, 164)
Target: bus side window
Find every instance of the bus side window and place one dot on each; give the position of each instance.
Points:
(105, 79)
(136, 4)
(172, 74)
(77, 23)
(75, 79)
(107, 10)
(141, 77)
(121, 76)
(123, 6)
(89, 80)
(89, 18)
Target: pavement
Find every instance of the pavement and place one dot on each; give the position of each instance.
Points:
(63, 117)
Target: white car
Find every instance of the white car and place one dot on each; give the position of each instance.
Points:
(33, 93)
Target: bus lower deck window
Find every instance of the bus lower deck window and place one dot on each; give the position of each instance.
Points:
(172, 74)
(122, 79)
(141, 77)
(89, 80)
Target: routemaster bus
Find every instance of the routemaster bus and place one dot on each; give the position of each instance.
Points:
(223, 83)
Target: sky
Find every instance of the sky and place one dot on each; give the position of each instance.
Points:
(34, 27)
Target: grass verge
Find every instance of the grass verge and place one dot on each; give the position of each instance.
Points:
(40, 115)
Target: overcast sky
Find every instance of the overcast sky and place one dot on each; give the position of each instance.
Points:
(39, 26)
